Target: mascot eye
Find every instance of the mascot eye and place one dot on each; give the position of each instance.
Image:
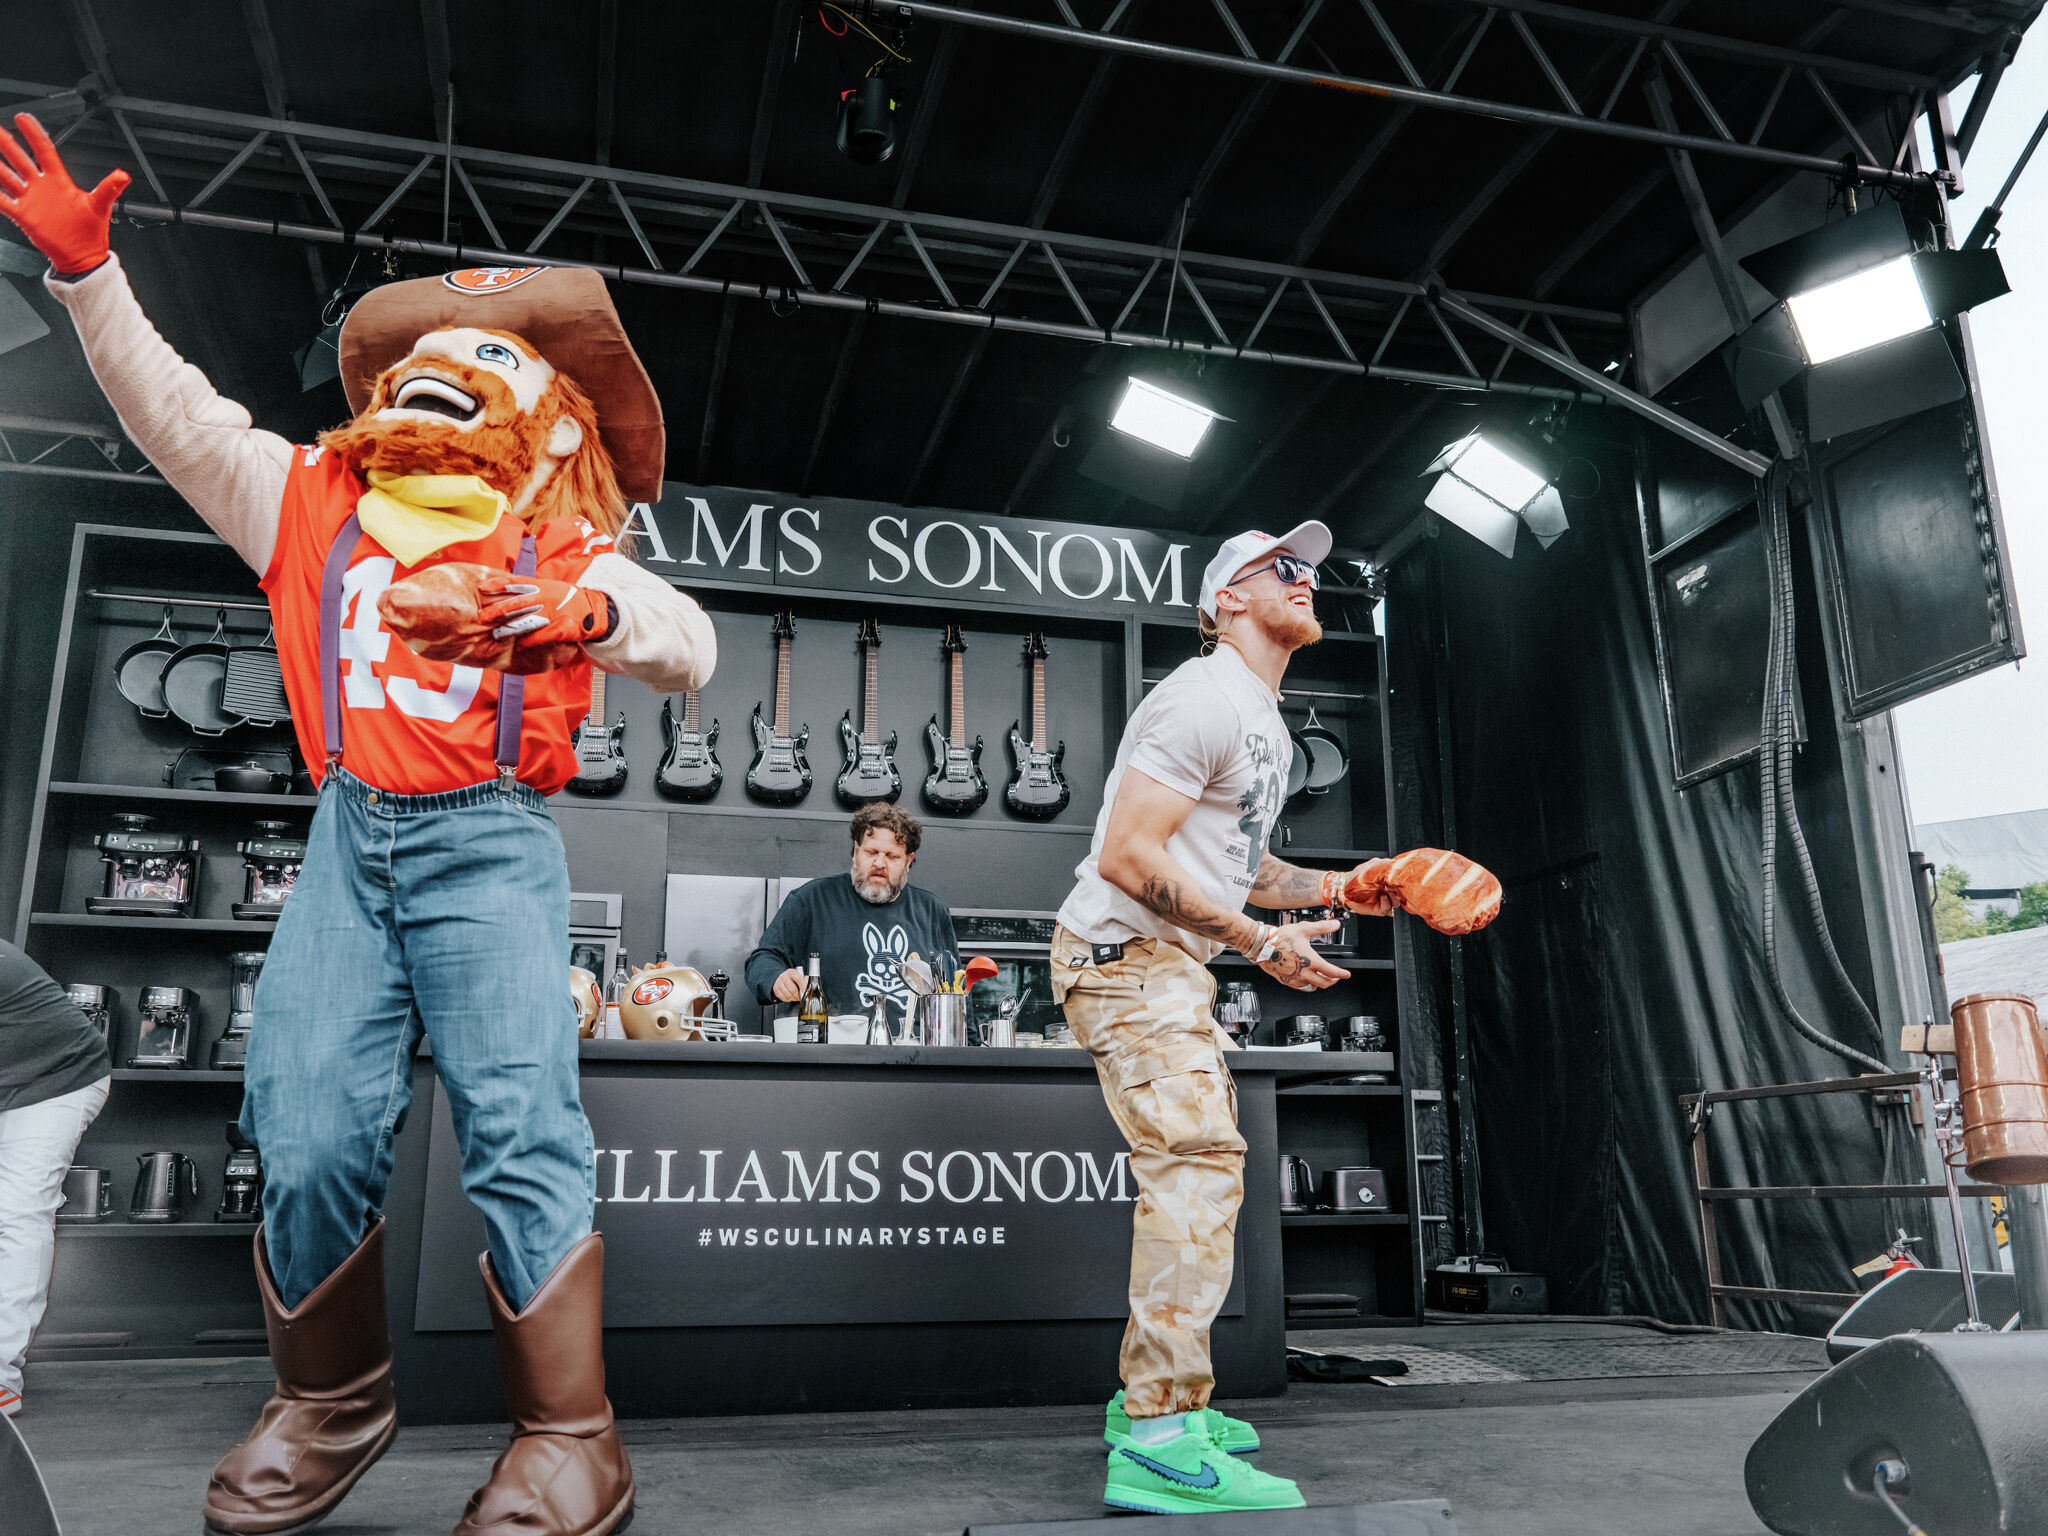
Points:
(497, 352)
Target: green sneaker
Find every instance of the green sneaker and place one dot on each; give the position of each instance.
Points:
(1188, 1475)
(1231, 1436)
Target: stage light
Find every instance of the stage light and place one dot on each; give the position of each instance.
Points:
(1162, 418)
(1878, 304)
(1487, 486)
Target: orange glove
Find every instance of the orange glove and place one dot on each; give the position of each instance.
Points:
(1446, 890)
(537, 611)
(39, 195)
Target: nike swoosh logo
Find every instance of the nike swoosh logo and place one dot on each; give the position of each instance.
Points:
(1208, 1479)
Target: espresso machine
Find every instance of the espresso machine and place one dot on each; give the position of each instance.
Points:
(270, 867)
(231, 1050)
(149, 873)
(165, 1020)
(241, 1180)
(96, 1003)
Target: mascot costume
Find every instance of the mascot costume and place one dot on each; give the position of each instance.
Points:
(442, 573)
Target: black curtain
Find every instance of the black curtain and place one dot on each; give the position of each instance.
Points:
(1626, 967)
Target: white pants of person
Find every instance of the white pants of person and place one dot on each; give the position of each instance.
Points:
(37, 1143)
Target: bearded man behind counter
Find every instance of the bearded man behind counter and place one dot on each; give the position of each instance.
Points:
(860, 925)
(434, 896)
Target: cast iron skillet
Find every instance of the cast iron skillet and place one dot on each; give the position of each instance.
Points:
(139, 670)
(192, 683)
(1297, 766)
(1327, 760)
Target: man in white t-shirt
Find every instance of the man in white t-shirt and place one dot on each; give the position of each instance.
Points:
(1179, 848)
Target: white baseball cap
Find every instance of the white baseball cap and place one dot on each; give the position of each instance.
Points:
(1310, 541)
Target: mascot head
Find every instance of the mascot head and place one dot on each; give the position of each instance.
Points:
(520, 376)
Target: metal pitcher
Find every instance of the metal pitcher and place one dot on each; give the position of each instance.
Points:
(1001, 1029)
(942, 1018)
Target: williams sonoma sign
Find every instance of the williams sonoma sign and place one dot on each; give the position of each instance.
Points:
(854, 546)
(741, 1201)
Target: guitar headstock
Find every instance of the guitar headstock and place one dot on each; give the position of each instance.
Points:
(870, 633)
(1034, 646)
(954, 641)
(785, 625)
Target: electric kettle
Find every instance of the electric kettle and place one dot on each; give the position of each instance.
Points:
(164, 1181)
(1297, 1184)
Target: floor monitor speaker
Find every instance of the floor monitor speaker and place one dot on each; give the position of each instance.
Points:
(1921, 1301)
(24, 1501)
(1966, 1414)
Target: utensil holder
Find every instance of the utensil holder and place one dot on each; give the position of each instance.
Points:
(943, 1018)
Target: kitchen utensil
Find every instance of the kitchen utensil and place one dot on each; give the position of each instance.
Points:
(164, 1026)
(1001, 1029)
(1304, 1029)
(979, 969)
(148, 873)
(241, 1180)
(959, 981)
(878, 1022)
(96, 1003)
(164, 1181)
(193, 678)
(252, 685)
(139, 670)
(1297, 1184)
(200, 767)
(943, 1018)
(247, 779)
(1327, 761)
(918, 976)
(88, 1194)
(231, 1050)
(270, 868)
(1354, 1189)
(1297, 764)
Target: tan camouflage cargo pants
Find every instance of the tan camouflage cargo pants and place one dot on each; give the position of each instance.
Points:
(1159, 1054)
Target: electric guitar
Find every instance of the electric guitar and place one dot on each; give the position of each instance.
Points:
(1036, 789)
(689, 769)
(781, 774)
(955, 786)
(600, 748)
(870, 773)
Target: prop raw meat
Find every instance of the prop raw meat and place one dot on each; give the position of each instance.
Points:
(436, 612)
(1446, 890)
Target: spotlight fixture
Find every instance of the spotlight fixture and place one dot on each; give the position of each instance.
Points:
(1488, 485)
(867, 121)
(1162, 418)
(1859, 321)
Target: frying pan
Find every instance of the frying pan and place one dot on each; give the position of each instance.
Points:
(139, 670)
(192, 682)
(252, 688)
(1327, 760)
(1297, 765)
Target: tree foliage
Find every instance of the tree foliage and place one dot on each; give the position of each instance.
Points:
(1952, 919)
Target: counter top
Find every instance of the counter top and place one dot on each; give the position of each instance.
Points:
(1285, 1066)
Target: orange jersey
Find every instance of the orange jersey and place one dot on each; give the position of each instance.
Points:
(410, 725)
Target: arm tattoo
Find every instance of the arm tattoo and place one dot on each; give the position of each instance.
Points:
(1280, 884)
(1190, 909)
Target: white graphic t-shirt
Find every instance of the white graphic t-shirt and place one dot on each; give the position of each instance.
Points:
(1212, 731)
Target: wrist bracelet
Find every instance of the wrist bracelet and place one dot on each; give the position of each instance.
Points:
(1333, 890)
(1262, 947)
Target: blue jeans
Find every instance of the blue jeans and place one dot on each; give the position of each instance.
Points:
(446, 915)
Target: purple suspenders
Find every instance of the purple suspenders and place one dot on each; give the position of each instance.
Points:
(511, 686)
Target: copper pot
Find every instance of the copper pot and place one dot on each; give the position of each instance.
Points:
(2002, 1068)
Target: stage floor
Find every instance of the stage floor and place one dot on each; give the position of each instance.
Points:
(1541, 1429)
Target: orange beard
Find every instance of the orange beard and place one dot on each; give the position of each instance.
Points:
(501, 449)
(1281, 622)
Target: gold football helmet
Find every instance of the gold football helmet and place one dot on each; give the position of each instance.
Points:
(665, 1002)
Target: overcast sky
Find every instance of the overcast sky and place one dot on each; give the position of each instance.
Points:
(1980, 747)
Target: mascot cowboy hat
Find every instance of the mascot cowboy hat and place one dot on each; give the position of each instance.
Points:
(565, 313)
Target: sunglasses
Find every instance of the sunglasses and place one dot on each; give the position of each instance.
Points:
(1289, 570)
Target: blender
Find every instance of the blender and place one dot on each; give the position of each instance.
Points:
(231, 1050)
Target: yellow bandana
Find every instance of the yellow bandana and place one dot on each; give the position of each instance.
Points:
(415, 515)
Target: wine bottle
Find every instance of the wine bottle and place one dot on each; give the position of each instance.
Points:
(813, 1025)
(614, 994)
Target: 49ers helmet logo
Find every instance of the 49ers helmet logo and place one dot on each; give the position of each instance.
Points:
(653, 990)
(487, 279)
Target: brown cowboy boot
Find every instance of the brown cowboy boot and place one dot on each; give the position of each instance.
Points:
(565, 1473)
(333, 1412)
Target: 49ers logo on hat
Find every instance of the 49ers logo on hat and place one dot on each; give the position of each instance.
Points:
(653, 990)
(487, 279)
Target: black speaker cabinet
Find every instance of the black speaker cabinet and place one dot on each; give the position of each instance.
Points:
(1966, 1412)
(1921, 1301)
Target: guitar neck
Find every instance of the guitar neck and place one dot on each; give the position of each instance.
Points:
(692, 711)
(871, 703)
(782, 648)
(597, 696)
(1038, 733)
(959, 671)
